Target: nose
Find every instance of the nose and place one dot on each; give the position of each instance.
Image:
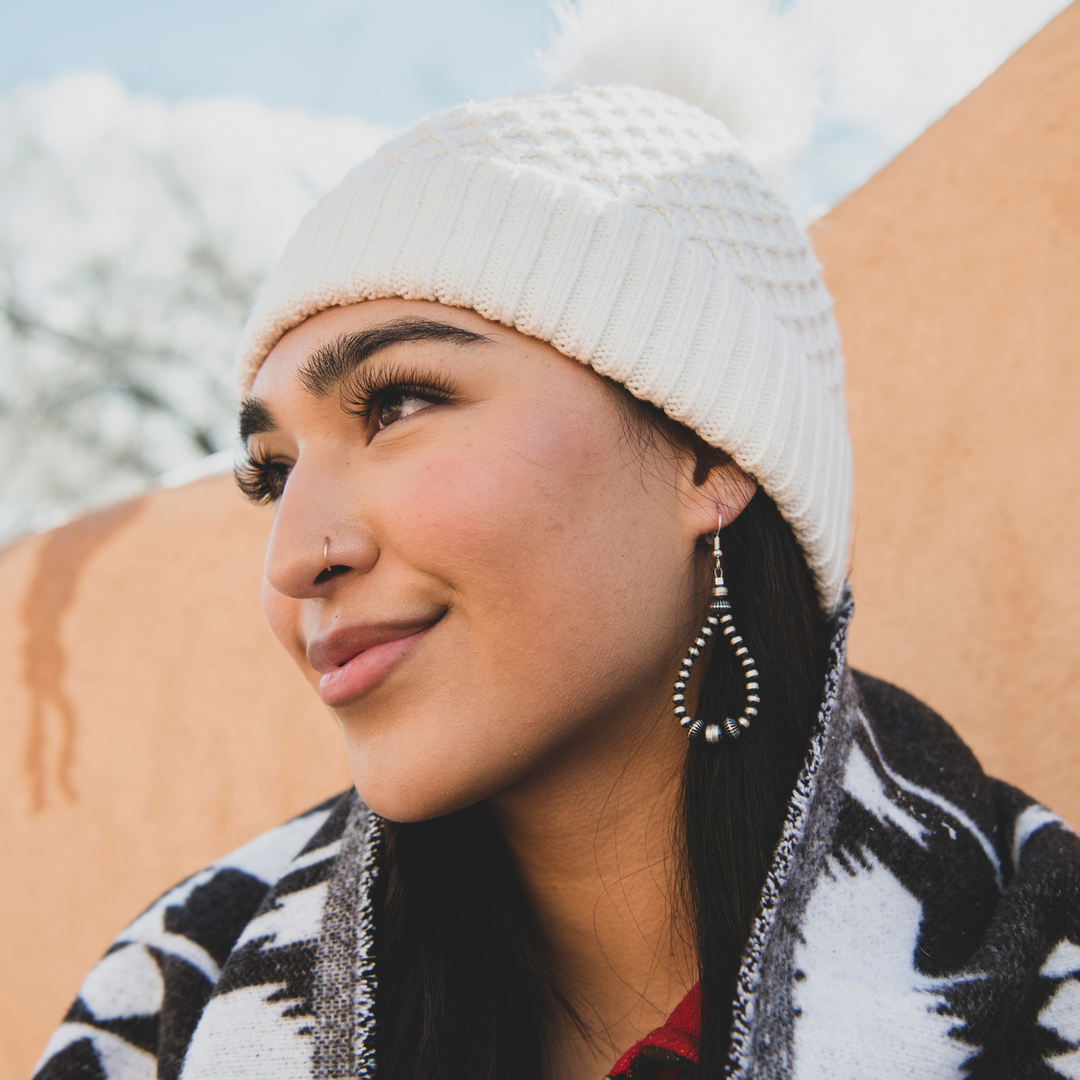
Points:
(314, 543)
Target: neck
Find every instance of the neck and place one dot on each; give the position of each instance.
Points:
(597, 862)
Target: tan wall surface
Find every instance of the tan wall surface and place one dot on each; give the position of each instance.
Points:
(956, 273)
(149, 722)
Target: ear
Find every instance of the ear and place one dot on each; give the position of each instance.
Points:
(722, 495)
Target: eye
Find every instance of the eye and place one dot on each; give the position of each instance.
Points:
(381, 397)
(397, 406)
(261, 479)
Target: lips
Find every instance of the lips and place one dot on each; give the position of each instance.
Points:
(352, 660)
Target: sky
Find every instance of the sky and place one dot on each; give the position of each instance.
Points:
(389, 62)
(888, 68)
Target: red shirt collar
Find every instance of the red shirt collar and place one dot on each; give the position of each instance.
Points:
(680, 1035)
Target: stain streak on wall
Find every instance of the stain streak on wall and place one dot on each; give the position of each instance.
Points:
(62, 557)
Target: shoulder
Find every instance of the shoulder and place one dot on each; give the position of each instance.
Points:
(924, 757)
(918, 741)
(137, 1008)
(996, 874)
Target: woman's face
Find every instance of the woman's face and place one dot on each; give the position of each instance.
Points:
(512, 583)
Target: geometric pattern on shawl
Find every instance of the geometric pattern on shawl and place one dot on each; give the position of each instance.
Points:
(137, 1010)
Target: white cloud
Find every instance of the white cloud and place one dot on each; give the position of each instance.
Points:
(133, 233)
(93, 165)
(890, 69)
(897, 66)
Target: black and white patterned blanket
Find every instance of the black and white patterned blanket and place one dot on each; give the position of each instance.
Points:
(919, 920)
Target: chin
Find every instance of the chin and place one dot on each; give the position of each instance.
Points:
(421, 790)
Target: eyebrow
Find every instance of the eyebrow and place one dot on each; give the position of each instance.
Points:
(255, 418)
(331, 364)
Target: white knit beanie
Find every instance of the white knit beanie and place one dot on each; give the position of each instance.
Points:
(626, 227)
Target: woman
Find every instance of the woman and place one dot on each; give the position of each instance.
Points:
(547, 396)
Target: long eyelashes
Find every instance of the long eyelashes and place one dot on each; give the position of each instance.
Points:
(261, 479)
(369, 392)
(375, 397)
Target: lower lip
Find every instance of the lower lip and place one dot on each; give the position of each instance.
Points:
(362, 672)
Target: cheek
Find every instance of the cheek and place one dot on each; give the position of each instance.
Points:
(283, 614)
(555, 557)
(521, 510)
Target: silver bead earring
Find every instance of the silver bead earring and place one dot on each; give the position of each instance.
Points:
(719, 617)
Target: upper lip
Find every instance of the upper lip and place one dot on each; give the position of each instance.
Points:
(334, 649)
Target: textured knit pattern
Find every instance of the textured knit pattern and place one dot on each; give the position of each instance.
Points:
(919, 920)
(627, 228)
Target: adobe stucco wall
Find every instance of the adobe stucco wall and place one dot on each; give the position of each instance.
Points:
(150, 723)
(956, 273)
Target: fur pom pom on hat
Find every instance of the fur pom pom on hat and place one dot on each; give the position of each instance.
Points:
(735, 59)
(627, 227)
